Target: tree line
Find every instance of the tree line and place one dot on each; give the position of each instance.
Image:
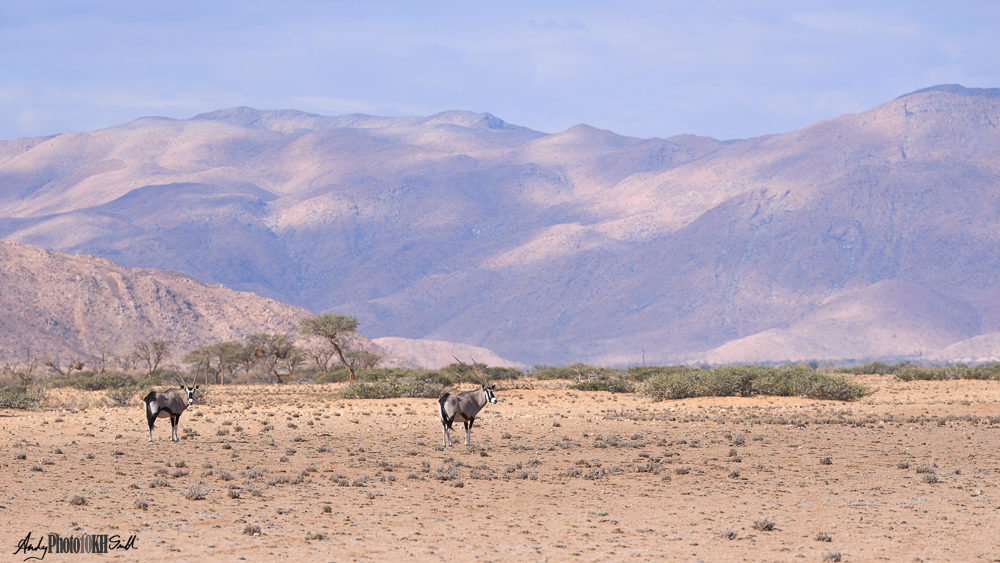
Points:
(328, 341)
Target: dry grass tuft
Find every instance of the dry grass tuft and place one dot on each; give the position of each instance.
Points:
(728, 534)
(194, 492)
(763, 524)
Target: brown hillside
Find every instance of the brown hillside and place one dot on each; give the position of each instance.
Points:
(68, 307)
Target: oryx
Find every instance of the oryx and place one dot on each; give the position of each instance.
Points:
(168, 404)
(465, 406)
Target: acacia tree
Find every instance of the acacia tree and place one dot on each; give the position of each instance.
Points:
(339, 332)
(219, 358)
(273, 352)
(364, 358)
(101, 358)
(228, 356)
(151, 352)
(321, 355)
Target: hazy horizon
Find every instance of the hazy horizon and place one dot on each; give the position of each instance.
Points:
(726, 70)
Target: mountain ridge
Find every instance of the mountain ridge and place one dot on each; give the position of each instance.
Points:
(581, 245)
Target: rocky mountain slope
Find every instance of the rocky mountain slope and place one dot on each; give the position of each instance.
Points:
(70, 307)
(867, 235)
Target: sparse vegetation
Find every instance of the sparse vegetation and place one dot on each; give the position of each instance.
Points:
(20, 398)
(194, 492)
(763, 524)
(603, 452)
(786, 381)
(338, 333)
(392, 389)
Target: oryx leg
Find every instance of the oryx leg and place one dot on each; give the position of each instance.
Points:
(150, 419)
(468, 431)
(447, 431)
(174, 420)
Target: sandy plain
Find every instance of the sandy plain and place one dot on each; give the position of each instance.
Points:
(910, 473)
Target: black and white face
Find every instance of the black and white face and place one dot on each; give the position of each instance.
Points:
(190, 393)
(489, 394)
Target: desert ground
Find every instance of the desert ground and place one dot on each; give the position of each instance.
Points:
(265, 473)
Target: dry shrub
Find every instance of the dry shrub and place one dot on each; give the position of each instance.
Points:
(194, 492)
(392, 389)
(763, 524)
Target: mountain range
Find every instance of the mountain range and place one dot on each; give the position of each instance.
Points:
(870, 235)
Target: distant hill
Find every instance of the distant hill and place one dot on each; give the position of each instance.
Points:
(435, 354)
(70, 307)
(867, 235)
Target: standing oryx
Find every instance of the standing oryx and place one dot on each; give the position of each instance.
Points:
(465, 406)
(169, 404)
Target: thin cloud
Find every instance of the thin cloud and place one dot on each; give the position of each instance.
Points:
(726, 69)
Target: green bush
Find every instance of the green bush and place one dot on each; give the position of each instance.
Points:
(961, 371)
(673, 386)
(728, 381)
(985, 371)
(926, 374)
(617, 385)
(874, 368)
(121, 397)
(86, 381)
(333, 376)
(445, 377)
(463, 373)
(392, 389)
(642, 373)
(503, 374)
(574, 372)
(794, 381)
(20, 397)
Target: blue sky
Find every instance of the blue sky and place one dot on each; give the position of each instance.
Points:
(725, 69)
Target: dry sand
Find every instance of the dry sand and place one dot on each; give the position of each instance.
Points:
(553, 475)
